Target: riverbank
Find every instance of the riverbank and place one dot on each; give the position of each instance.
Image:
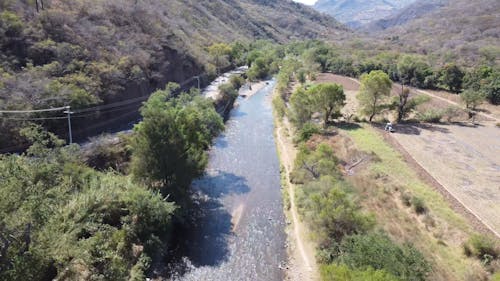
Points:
(302, 263)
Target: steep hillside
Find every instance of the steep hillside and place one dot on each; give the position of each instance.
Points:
(412, 12)
(359, 12)
(88, 52)
(462, 31)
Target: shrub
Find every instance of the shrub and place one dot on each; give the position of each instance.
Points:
(482, 247)
(279, 106)
(430, 116)
(379, 252)
(419, 205)
(236, 81)
(307, 131)
(406, 198)
(334, 272)
(228, 90)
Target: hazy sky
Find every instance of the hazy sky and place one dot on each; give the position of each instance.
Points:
(308, 2)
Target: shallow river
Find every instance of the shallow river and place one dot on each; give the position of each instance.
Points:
(241, 234)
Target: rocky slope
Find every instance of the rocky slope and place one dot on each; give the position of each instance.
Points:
(356, 13)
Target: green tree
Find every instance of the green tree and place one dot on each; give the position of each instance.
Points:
(169, 144)
(452, 77)
(300, 107)
(327, 98)
(491, 87)
(375, 88)
(472, 99)
(220, 54)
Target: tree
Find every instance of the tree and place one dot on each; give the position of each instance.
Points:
(300, 107)
(328, 98)
(452, 77)
(169, 144)
(375, 87)
(220, 54)
(472, 99)
(413, 71)
(404, 104)
(491, 87)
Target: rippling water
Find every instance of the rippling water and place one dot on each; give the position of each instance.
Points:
(241, 234)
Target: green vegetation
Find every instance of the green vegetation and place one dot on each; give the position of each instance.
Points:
(379, 252)
(375, 88)
(62, 219)
(169, 143)
(482, 247)
(334, 272)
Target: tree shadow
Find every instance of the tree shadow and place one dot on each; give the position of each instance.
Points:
(203, 240)
(416, 129)
(349, 126)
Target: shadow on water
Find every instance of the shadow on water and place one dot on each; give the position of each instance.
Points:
(203, 241)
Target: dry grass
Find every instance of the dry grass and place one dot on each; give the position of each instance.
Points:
(439, 233)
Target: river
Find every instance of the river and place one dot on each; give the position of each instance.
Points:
(241, 233)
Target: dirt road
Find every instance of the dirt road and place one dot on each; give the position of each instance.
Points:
(302, 263)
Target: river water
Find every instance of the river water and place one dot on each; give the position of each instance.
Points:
(240, 235)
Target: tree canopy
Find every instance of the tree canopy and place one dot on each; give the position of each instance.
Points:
(169, 143)
(375, 88)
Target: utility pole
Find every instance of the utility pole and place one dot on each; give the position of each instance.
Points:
(199, 83)
(68, 111)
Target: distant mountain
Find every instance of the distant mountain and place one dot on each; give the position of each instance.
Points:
(407, 14)
(461, 31)
(356, 13)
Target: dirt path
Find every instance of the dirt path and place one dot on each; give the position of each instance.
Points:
(302, 263)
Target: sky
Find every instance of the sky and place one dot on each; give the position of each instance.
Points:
(308, 2)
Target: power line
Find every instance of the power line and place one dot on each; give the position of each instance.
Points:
(32, 119)
(33, 111)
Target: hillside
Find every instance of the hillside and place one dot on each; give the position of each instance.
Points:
(461, 32)
(412, 12)
(356, 13)
(83, 53)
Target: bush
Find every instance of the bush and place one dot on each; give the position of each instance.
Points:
(307, 131)
(482, 247)
(332, 213)
(379, 252)
(228, 90)
(279, 106)
(430, 116)
(419, 205)
(236, 81)
(334, 272)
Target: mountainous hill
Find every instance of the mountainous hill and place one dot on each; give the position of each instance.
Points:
(412, 12)
(88, 52)
(359, 12)
(460, 31)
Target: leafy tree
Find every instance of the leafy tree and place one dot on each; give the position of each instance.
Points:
(332, 212)
(472, 99)
(300, 107)
(375, 87)
(491, 87)
(313, 164)
(452, 77)
(327, 98)
(413, 71)
(220, 54)
(169, 144)
(405, 104)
